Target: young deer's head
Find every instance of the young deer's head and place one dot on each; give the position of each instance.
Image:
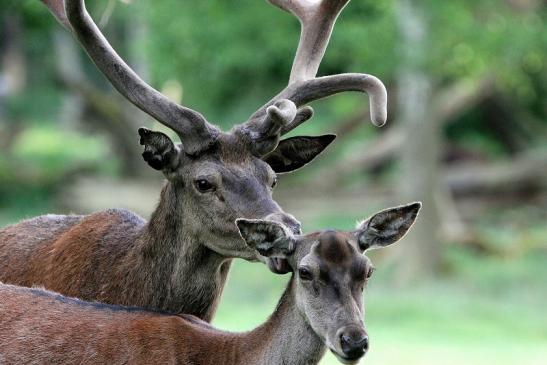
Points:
(220, 176)
(331, 272)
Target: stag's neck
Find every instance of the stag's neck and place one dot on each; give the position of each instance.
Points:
(167, 231)
(286, 338)
(173, 265)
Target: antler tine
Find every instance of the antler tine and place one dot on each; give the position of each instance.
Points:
(57, 8)
(317, 20)
(306, 91)
(195, 132)
(264, 133)
(302, 115)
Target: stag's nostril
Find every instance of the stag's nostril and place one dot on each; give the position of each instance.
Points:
(293, 224)
(287, 220)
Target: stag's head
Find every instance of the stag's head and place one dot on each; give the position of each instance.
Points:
(220, 176)
(331, 272)
(229, 179)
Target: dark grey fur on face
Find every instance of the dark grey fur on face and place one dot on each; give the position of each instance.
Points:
(229, 181)
(226, 182)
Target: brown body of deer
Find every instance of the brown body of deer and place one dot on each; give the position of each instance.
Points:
(213, 177)
(322, 308)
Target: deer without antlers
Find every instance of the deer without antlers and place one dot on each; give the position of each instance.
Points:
(213, 177)
(321, 308)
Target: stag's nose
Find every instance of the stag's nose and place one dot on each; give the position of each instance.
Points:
(294, 225)
(288, 220)
(354, 343)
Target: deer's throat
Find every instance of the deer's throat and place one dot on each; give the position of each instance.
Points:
(286, 337)
(178, 274)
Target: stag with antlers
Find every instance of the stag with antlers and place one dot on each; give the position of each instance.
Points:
(213, 178)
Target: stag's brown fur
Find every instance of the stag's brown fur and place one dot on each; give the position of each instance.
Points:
(115, 257)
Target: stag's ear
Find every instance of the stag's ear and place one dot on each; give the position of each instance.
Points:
(387, 227)
(295, 152)
(159, 151)
(270, 239)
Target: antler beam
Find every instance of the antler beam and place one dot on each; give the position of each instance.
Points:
(317, 19)
(195, 132)
(304, 92)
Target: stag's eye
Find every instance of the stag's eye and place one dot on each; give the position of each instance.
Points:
(204, 186)
(274, 183)
(370, 272)
(305, 274)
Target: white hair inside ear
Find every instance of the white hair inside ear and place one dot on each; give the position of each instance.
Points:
(270, 239)
(386, 227)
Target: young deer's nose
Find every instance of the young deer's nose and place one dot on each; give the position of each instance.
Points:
(354, 344)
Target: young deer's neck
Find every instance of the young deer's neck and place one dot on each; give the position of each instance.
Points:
(173, 264)
(286, 337)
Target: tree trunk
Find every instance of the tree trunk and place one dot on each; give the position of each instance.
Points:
(111, 114)
(136, 32)
(420, 253)
(69, 67)
(13, 74)
(447, 104)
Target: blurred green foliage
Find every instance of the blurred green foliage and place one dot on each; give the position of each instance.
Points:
(53, 151)
(231, 57)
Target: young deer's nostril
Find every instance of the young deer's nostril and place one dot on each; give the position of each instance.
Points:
(345, 341)
(363, 343)
(352, 347)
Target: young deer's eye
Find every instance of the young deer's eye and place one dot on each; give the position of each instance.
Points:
(370, 272)
(305, 274)
(204, 186)
(274, 183)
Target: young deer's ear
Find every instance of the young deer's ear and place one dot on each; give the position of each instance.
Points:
(295, 152)
(270, 239)
(387, 227)
(159, 151)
